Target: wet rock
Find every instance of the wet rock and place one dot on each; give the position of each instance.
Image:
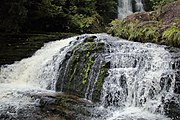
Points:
(108, 64)
(172, 109)
(175, 54)
(177, 83)
(6, 116)
(66, 106)
(172, 106)
(90, 39)
(81, 70)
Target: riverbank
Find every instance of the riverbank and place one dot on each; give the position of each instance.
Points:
(161, 26)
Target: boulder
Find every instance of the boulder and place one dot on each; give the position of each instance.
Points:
(82, 72)
(170, 13)
(62, 106)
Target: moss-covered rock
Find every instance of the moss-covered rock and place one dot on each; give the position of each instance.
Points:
(100, 81)
(82, 70)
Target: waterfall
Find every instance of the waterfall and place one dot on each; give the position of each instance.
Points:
(125, 7)
(139, 81)
(31, 75)
(139, 6)
(140, 78)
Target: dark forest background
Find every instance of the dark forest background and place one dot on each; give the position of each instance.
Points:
(77, 16)
(25, 25)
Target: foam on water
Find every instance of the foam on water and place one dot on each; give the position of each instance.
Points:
(31, 75)
(133, 88)
(139, 80)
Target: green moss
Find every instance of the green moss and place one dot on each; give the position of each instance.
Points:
(89, 46)
(87, 70)
(87, 55)
(78, 67)
(101, 77)
(84, 82)
(85, 46)
(99, 84)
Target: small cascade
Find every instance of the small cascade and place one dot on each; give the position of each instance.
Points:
(31, 75)
(125, 7)
(139, 6)
(140, 80)
(128, 80)
(93, 79)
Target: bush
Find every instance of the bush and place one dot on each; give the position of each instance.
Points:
(133, 31)
(85, 24)
(155, 4)
(117, 28)
(171, 36)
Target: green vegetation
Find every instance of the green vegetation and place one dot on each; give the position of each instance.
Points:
(156, 4)
(77, 16)
(134, 31)
(99, 85)
(172, 36)
(101, 77)
(87, 70)
(77, 69)
(26, 24)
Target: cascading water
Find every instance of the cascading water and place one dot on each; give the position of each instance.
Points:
(139, 6)
(125, 7)
(140, 79)
(31, 75)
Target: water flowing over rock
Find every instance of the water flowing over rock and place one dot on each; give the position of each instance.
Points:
(142, 77)
(79, 73)
(97, 77)
(32, 75)
(127, 7)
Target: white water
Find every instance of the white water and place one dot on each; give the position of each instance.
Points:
(125, 8)
(139, 6)
(31, 75)
(132, 90)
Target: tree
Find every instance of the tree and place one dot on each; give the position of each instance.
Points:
(107, 9)
(13, 15)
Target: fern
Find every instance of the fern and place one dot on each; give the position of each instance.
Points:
(151, 34)
(172, 36)
(133, 32)
(117, 28)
